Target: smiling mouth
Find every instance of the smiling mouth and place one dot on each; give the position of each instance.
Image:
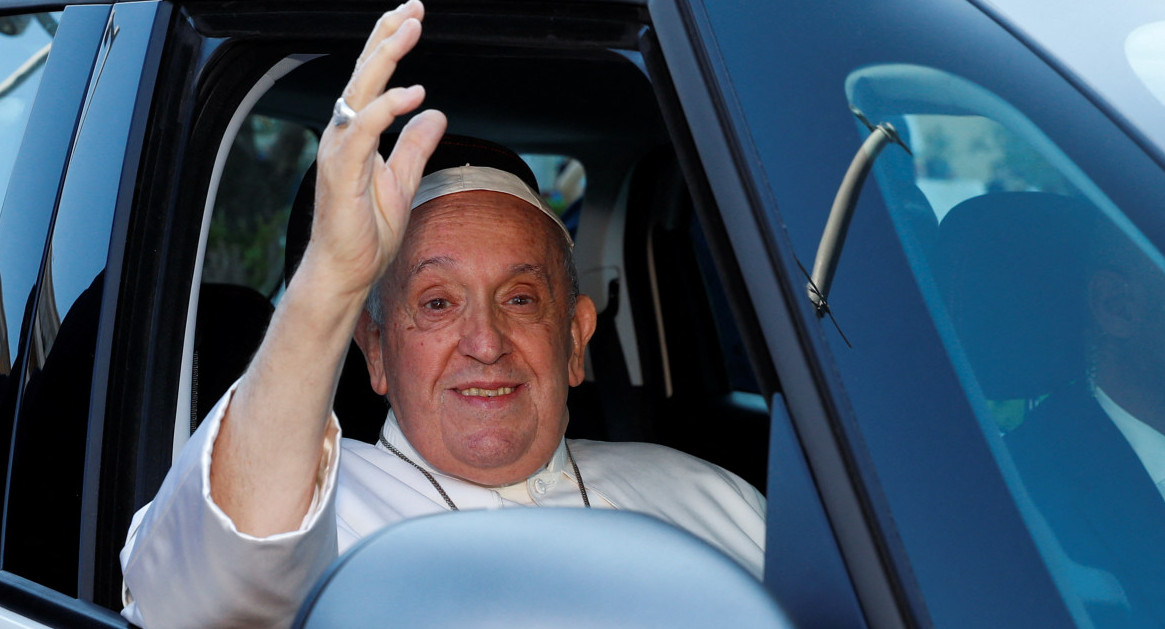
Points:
(477, 392)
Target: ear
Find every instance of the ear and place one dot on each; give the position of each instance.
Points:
(1116, 304)
(368, 336)
(582, 327)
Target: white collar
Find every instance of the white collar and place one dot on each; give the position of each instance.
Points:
(538, 484)
(1147, 442)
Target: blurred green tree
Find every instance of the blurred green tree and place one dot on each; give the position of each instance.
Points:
(259, 183)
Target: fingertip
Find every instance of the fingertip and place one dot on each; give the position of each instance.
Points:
(406, 35)
(411, 6)
(430, 122)
(392, 20)
(416, 90)
(409, 99)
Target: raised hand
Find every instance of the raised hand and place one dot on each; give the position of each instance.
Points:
(362, 200)
(268, 452)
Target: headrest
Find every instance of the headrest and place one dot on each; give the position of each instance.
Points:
(459, 150)
(1012, 268)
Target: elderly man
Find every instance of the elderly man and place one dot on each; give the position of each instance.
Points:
(475, 332)
(1091, 454)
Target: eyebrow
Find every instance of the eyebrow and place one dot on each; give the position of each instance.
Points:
(537, 270)
(442, 261)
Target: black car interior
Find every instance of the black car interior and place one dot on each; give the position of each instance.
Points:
(598, 106)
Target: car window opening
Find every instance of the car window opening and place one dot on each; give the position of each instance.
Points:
(562, 181)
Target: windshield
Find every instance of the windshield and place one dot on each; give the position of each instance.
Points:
(1116, 49)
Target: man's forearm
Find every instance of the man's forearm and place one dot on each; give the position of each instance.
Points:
(268, 452)
(267, 455)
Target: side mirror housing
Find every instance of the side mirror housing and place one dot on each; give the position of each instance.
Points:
(537, 567)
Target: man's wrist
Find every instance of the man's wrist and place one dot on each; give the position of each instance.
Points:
(332, 297)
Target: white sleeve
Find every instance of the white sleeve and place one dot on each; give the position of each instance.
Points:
(185, 564)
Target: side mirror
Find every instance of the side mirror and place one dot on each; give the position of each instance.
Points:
(537, 567)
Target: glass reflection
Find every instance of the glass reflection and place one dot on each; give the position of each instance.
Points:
(1145, 49)
(25, 42)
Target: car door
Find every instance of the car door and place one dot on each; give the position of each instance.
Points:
(775, 139)
(906, 416)
(64, 218)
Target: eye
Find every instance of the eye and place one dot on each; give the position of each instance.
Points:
(521, 300)
(437, 303)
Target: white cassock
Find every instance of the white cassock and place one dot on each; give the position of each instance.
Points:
(186, 565)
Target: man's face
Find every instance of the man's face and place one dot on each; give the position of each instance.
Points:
(478, 347)
(1128, 306)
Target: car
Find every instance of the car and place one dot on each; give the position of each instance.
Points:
(891, 359)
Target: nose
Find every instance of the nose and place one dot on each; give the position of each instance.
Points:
(484, 336)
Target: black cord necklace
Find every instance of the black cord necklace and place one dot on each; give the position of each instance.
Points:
(582, 488)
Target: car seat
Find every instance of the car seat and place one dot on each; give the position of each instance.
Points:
(231, 322)
(1011, 267)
